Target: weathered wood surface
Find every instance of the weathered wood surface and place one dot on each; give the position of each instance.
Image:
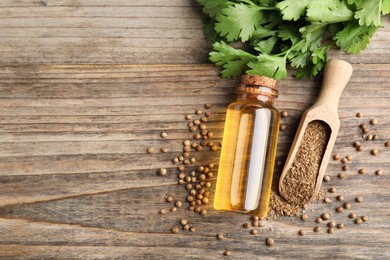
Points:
(75, 178)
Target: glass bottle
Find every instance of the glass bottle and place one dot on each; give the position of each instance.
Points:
(248, 148)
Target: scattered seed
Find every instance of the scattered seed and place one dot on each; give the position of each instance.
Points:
(387, 143)
(164, 150)
(319, 220)
(163, 211)
(325, 216)
(336, 157)
(358, 115)
(198, 112)
(340, 198)
(150, 150)
(175, 160)
(366, 130)
(169, 199)
(163, 171)
(208, 106)
(284, 114)
(340, 226)
(173, 209)
(301, 232)
(183, 222)
(164, 135)
(327, 201)
(356, 144)
(304, 217)
(349, 157)
(352, 215)
(175, 230)
(203, 212)
(332, 190)
(305, 206)
(347, 205)
(345, 168)
(330, 230)
(363, 126)
(331, 224)
(270, 241)
(178, 204)
(359, 199)
(207, 114)
(227, 253)
(369, 137)
(283, 127)
(339, 209)
(358, 221)
(364, 218)
(188, 117)
(374, 121)
(374, 151)
(359, 148)
(341, 175)
(375, 137)
(317, 229)
(255, 223)
(254, 232)
(192, 229)
(378, 172)
(214, 147)
(344, 160)
(362, 171)
(326, 178)
(220, 237)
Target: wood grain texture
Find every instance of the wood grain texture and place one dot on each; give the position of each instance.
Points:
(76, 181)
(120, 32)
(82, 97)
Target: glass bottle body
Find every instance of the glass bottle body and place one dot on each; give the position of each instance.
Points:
(247, 157)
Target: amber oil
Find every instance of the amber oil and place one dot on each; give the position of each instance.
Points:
(248, 148)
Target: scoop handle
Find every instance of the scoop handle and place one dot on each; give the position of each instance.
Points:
(335, 78)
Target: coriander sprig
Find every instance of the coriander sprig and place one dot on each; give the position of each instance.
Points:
(272, 34)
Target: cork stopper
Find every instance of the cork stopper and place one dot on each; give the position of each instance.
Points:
(258, 81)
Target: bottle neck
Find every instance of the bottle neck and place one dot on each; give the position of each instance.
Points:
(256, 92)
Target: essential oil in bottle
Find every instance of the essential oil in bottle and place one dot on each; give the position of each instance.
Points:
(248, 148)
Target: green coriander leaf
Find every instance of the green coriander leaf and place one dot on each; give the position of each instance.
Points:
(357, 2)
(369, 12)
(238, 21)
(262, 32)
(303, 73)
(209, 31)
(213, 7)
(319, 58)
(289, 32)
(266, 46)
(328, 11)
(269, 66)
(354, 38)
(232, 60)
(313, 35)
(292, 9)
(385, 6)
(299, 59)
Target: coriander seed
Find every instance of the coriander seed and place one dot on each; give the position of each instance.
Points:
(192, 229)
(150, 150)
(163, 171)
(387, 143)
(325, 216)
(283, 127)
(331, 224)
(340, 197)
(173, 209)
(358, 221)
(332, 190)
(227, 253)
(188, 117)
(304, 217)
(331, 230)
(319, 220)
(347, 205)
(359, 115)
(378, 172)
(359, 149)
(164, 150)
(198, 112)
(374, 121)
(349, 157)
(301, 232)
(175, 230)
(186, 227)
(284, 114)
(169, 199)
(246, 225)
(163, 211)
(340, 226)
(363, 126)
(362, 171)
(183, 222)
(326, 178)
(270, 241)
(327, 201)
(345, 168)
(344, 160)
(220, 237)
(317, 229)
(357, 144)
(178, 204)
(164, 135)
(341, 175)
(255, 223)
(208, 106)
(364, 218)
(336, 157)
(203, 212)
(214, 147)
(339, 209)
(352, 215)
(205, 201)
(254, 232)
(374, 152)
(359, 199)
(207, 114)
(375, 137)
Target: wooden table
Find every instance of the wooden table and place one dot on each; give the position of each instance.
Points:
(85, 89)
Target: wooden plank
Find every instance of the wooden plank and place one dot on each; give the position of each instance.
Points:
(76, 180)
(121, 32)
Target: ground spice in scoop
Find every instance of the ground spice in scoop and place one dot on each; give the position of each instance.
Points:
(300, 181)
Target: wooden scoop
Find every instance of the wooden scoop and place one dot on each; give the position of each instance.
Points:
(325, 109)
